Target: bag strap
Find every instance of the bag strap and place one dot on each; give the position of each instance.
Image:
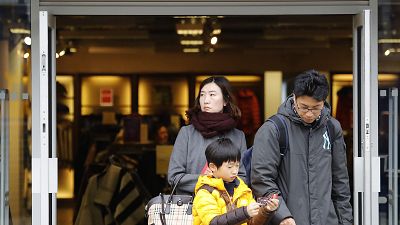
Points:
(174, 188)
(162, 213)
(281, 126)
(229, 205)
(331, 132)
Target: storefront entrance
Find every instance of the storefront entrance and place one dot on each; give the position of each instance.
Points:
(44, 159)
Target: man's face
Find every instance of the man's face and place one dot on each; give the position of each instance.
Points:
(308, 108)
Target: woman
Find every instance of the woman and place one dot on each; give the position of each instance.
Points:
(214, 115)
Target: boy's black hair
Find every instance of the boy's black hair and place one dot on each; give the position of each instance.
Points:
(313, 84)
(222, 150)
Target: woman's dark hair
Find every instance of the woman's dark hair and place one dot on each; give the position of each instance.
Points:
(229, 98)
(222, 150)
(313, 84)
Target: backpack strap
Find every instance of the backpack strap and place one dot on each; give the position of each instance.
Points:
(281, 126)
(331, 132)
(223, 194)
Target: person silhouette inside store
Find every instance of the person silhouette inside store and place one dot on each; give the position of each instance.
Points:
(162, 135)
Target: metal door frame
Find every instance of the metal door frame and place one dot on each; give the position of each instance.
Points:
(258, 7)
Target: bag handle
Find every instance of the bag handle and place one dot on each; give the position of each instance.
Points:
(162, 213)
(174, 188)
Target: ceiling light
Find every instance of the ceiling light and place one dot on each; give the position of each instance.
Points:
(57, 55)
(192, 42)
(26, 55)
(216, 31)
(72, 50)
(211, 50)
(214, 40)
(192, 32)
(20, 31)
(387, 52)
(28, 40)
(62, 53)
(389, 41)
(193, 29)
(191, 50)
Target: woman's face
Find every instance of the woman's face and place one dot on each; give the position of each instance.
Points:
(211, 98)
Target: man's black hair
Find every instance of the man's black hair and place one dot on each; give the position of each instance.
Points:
(222, 150)
(313, 84)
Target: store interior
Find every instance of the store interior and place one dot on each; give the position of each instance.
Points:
(116, 72)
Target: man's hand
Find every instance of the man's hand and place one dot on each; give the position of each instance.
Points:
(288, 221)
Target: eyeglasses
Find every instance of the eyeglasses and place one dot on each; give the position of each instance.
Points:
(306, 109)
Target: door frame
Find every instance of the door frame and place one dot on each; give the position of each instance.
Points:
(367, 211)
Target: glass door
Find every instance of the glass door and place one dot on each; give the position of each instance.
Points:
(366, 162)
(15, 119)
(44, 161)
(4, 158)
(389, 151)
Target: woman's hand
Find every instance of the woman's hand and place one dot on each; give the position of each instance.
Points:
(208, 172)
(253, 208)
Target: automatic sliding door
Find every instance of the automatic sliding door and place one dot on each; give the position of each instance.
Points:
(366, 161)
(44, 161)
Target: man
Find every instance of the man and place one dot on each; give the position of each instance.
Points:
(311, 176)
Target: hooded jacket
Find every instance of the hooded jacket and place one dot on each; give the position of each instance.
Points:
(188, 156)
(209, 207)
(311, 177)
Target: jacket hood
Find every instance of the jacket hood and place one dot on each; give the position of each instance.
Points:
(287, 109)
(218, 184)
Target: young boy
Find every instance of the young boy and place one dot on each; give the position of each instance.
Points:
(223, 198)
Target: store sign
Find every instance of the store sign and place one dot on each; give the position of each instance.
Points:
(106, 97)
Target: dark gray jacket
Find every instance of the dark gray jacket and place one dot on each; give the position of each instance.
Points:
(312, 178)
(188, 156)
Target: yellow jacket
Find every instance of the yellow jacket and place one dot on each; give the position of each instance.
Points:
(208, 205)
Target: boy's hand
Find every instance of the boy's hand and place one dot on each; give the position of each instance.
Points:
(253, 208)
(272, 204)
(288, 221)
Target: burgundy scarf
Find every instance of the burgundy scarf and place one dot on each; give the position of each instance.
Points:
(212, 124)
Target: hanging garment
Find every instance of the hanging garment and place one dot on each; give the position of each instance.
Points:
(112, 197)
(249, 106)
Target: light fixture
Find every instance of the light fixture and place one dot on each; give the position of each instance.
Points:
(216, 31)
(26, 55)
(62, 53)
(191, 50)
(391, 50)
(72, 50)
(214, 40)
(389, 41)
(57, 55)
(18, 30)
(28, 40)
(192, 42)
(192, 28)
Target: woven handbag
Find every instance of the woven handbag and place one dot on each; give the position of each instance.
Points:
(170, 209)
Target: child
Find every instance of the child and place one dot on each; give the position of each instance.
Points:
(223, 198)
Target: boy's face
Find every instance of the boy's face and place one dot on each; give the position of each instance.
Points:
(228, 171)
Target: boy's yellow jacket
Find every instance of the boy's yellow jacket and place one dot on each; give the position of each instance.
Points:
(207, 205)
